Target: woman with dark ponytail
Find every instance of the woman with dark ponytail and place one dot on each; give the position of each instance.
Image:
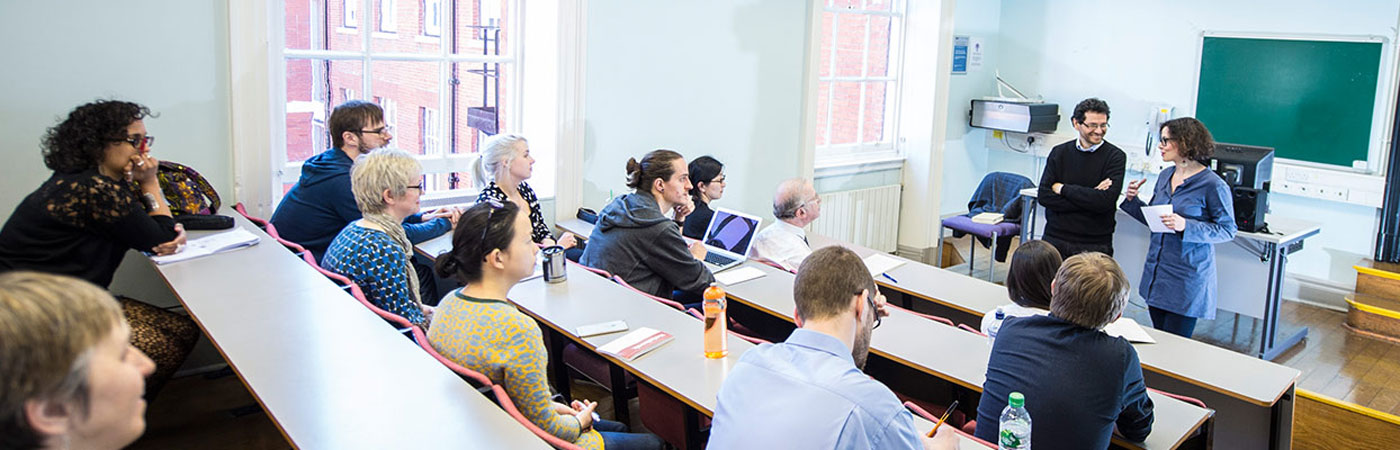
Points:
(636, 241)
(476, 328)
(706, 185)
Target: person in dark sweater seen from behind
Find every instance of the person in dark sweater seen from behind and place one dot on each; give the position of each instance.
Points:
(1079, 383)
(1079, 188)
(636, 241)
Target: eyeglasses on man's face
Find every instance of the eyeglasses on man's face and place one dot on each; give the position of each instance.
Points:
(873, 310)
(382, 131)
(1095, 126)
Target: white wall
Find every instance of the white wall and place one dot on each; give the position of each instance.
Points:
(1138, 54)
(170, 56)
(965, 156)
(721, 78)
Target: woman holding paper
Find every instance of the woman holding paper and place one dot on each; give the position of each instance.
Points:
(102, 200)
(478, 329)
(1178, 279)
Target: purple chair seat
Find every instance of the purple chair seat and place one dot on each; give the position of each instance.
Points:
(966, 225)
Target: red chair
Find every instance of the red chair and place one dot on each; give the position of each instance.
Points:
(600, 272)
(942, 320)
(772, 264)
(295, 248)
(271, 231)
(508, 405)
(395, 319)
(1191, 400)
(978, 332)
(477, 379)
(932, 418)
(244, 212)
(751, 339)
(665, 301)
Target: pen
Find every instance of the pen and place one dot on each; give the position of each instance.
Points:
(943, 419)
(886, 275)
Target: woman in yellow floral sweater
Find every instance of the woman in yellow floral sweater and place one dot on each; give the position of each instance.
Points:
(475, 327)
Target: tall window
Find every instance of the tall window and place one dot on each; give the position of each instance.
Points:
(458, 89)
(350, 14)
(388, 17)
(858, 81)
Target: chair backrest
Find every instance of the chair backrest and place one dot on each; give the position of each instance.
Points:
(1191, 400)
(914, 408)
(514, 412)
(477, 379)
(271, 231)
(966, 327)
(664, 301)
(771, 264)
(599, 272)
(751, 339)
(244, 212)
(942, 320)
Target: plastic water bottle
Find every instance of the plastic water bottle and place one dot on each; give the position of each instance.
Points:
(995, 326)
(716, 323)
(1015, 425)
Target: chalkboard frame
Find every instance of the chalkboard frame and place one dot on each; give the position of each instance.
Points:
(1381, 105)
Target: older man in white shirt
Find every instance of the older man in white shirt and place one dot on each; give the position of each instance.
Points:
(784, 243)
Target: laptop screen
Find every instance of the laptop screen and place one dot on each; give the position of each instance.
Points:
(731, 232)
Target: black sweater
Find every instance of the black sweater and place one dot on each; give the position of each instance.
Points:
(1080, 213)
(80, 225)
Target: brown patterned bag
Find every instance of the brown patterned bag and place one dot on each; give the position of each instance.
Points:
(186, 190)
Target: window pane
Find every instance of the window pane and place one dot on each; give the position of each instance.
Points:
(431, 17)
(824, 65)
(874, 130)
(845, 112)
(406, 32)
(850, 44)
(878, 5)
(482, 94)
(314, 87)
(823, 108)
(306, 24)
(878, 60)
(482, 27)
(345, 21)
(405, 87)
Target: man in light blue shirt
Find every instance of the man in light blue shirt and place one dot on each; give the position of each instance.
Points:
(809, 391)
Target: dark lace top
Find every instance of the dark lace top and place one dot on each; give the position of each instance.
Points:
(540, 230)
(80, 224)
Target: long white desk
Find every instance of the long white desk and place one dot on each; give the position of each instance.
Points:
(316, 360)
(950, 354)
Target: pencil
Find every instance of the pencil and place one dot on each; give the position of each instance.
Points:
(943, 419)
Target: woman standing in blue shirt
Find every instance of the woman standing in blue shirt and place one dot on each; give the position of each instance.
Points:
(1178, 279)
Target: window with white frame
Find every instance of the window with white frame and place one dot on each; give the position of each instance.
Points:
(388, 17)
(351, 14)
(463, 86)
(858, 78)
(432, 18)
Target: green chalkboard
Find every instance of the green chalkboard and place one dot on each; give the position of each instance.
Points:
(1311, 100)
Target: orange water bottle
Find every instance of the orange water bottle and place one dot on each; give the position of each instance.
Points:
(716, 323)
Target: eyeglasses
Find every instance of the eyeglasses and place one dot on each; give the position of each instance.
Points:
(1162, 141)
(1095, 126)
(381, 131)
(418, 186)
(139, 141)
(495, 205)
(871, 298)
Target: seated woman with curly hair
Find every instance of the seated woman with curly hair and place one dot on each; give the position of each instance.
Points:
(102, 200)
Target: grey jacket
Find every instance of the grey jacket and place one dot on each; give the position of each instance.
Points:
(634, 240)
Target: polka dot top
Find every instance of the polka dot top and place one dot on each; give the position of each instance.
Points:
(372, 260)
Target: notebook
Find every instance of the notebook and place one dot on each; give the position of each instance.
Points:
(208, 245)
(637, 343)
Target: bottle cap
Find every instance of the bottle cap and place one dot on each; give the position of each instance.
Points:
(1016, 400)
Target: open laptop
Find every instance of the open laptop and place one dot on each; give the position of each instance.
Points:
(728, 238)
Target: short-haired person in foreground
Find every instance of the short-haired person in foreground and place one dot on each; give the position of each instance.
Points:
(1079, 383)
(784, 242)
(1033, 267)
(79, 388)
(373, 251)
(706, 185)
(476, 328)
(809, 391)
(636, 241)
(321, 203)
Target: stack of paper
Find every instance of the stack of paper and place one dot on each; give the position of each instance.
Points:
(738, 275)
(988, 218)
(208, 245)
(637, 343)
(1129, 329)
(879, 263)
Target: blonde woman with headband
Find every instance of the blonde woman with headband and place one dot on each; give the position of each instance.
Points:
(502, 168)
(374, 252)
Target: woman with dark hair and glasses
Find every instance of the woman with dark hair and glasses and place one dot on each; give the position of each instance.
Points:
(1178, 279)
(102, 200)
(706, 185)
(635, 239)
(476, 328)
(375, 252)
(1033, 266)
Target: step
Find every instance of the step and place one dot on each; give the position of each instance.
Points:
(1377, 282)
(1375, 317)
(1324, 422)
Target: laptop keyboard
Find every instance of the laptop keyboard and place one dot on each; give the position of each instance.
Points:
(717, 259)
